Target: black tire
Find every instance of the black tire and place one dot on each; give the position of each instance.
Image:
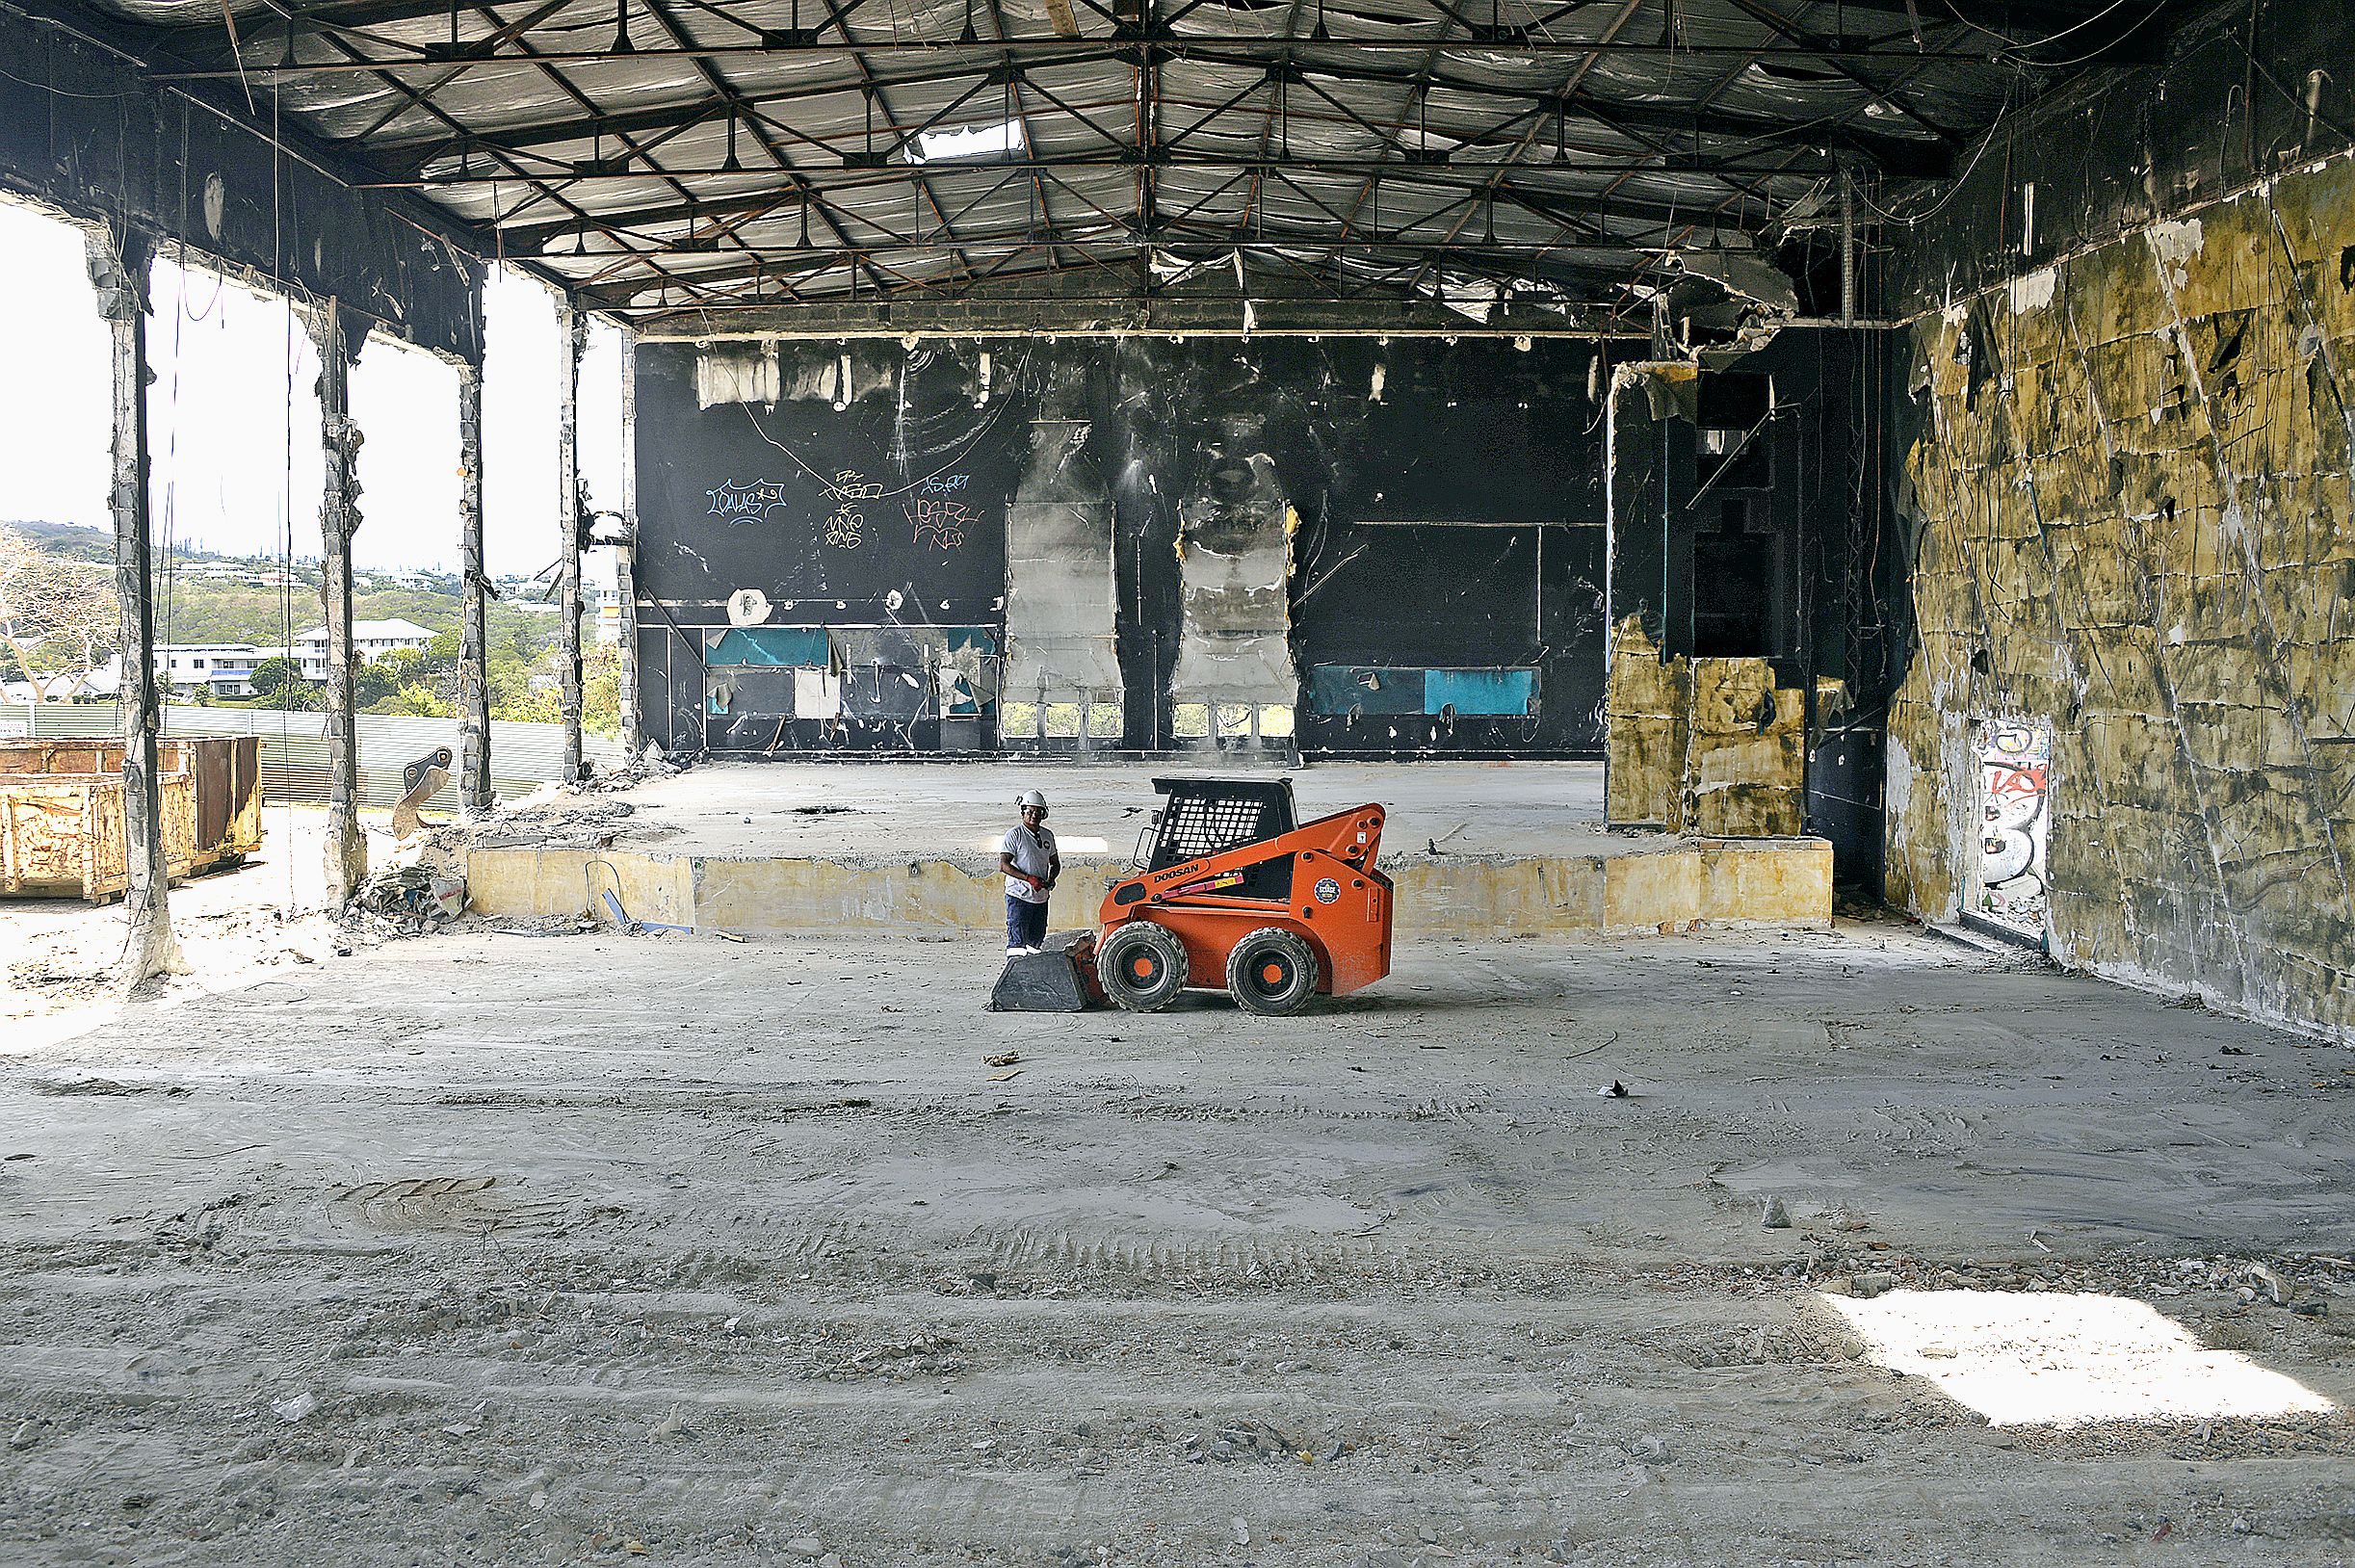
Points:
(1142, 966)
(1271, 972)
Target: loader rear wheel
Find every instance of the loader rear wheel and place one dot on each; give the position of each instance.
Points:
(1272, 971)
(1142, 966)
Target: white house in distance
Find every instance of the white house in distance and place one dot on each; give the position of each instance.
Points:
(225, 667)
(370, 639)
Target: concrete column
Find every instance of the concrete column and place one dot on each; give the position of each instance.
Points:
(625, 554)
(119, 270)
(339, 518)
(473, 674)
(575, 330)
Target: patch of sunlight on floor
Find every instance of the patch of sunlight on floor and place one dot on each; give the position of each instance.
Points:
(2060, 1360)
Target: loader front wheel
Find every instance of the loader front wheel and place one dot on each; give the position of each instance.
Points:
(1142, 966)
(1273, 972)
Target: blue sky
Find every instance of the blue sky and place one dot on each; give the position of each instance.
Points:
(235, 422)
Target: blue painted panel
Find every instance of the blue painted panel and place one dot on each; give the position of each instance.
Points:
(1480, 691)
(1343, 688)
(772, 645)
(971, 639)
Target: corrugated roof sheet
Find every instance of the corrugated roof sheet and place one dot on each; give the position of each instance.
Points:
(658, 155)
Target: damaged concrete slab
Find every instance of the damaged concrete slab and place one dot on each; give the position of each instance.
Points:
(1481, 851)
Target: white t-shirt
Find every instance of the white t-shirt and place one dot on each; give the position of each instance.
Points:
(1033, 852)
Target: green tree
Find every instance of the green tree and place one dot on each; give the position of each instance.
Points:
(276, 673)
(601, 692)
(414, 701)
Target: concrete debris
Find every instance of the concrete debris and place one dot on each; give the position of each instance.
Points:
(413, 895)
(295, 1407)
(1865, 1287)
(1777, 1217)
(25, 1435)
(1616, 1091)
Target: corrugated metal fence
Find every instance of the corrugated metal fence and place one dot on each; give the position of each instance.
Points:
(294, 747)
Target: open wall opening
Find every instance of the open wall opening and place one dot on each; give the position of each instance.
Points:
(405, 401)
(236, 464)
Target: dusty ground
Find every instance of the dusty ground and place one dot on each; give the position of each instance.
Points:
(493, 1249)
(57, 956)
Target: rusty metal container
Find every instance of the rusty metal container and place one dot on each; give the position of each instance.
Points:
(61, 812)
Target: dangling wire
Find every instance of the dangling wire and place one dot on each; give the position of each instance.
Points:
(286, 479)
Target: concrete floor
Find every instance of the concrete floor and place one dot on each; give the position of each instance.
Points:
(57, 956)
(1098, 810)
(744, 1253)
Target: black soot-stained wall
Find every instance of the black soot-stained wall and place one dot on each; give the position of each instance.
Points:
(1029, 544)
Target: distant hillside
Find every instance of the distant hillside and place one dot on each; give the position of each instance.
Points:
(215, 611)
(209, 607)
(67, 540)
(76, 542)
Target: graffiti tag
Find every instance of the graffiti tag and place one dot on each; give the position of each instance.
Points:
(944, 484)
(943, 521)
(746, 500)
(844, 527)
(2014, 783)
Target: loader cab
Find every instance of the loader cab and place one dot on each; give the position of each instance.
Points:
(1204, 817)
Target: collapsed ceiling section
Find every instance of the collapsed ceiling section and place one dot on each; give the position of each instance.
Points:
(693, 164)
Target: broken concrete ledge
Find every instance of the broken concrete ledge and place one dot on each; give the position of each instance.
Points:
(1669, 885)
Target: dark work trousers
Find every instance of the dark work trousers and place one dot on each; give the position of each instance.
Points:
(1026, 923)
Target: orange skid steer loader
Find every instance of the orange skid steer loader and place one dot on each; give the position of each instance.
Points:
(1230, 892)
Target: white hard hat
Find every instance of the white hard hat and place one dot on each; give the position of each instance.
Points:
(1030, 797)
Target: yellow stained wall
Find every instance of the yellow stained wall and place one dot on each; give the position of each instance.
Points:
(2134, 522)
(1701, 745)
(1678, 885)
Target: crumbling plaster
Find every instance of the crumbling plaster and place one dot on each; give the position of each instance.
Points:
(2132, 513)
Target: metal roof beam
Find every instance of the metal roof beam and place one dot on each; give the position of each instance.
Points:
(1898, 157)
(1586, 260)
(531, 238)
(1128, 51)
(1114, 316)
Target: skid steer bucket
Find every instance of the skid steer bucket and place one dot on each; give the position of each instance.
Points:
(1062, 979)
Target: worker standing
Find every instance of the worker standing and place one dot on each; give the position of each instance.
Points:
(1031, 865)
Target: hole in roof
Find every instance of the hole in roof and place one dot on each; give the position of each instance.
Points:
(967, 142)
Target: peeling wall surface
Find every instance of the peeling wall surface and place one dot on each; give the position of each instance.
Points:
(1062, 628)
(1234, 568)
(1360, 549)
(2132, 482)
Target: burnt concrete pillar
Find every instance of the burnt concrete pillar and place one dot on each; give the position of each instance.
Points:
(339, 518)
(473, 678)
(625, 554)
(574, 326)
(119, 271)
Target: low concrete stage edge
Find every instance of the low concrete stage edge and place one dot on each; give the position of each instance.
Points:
(1664, 885)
